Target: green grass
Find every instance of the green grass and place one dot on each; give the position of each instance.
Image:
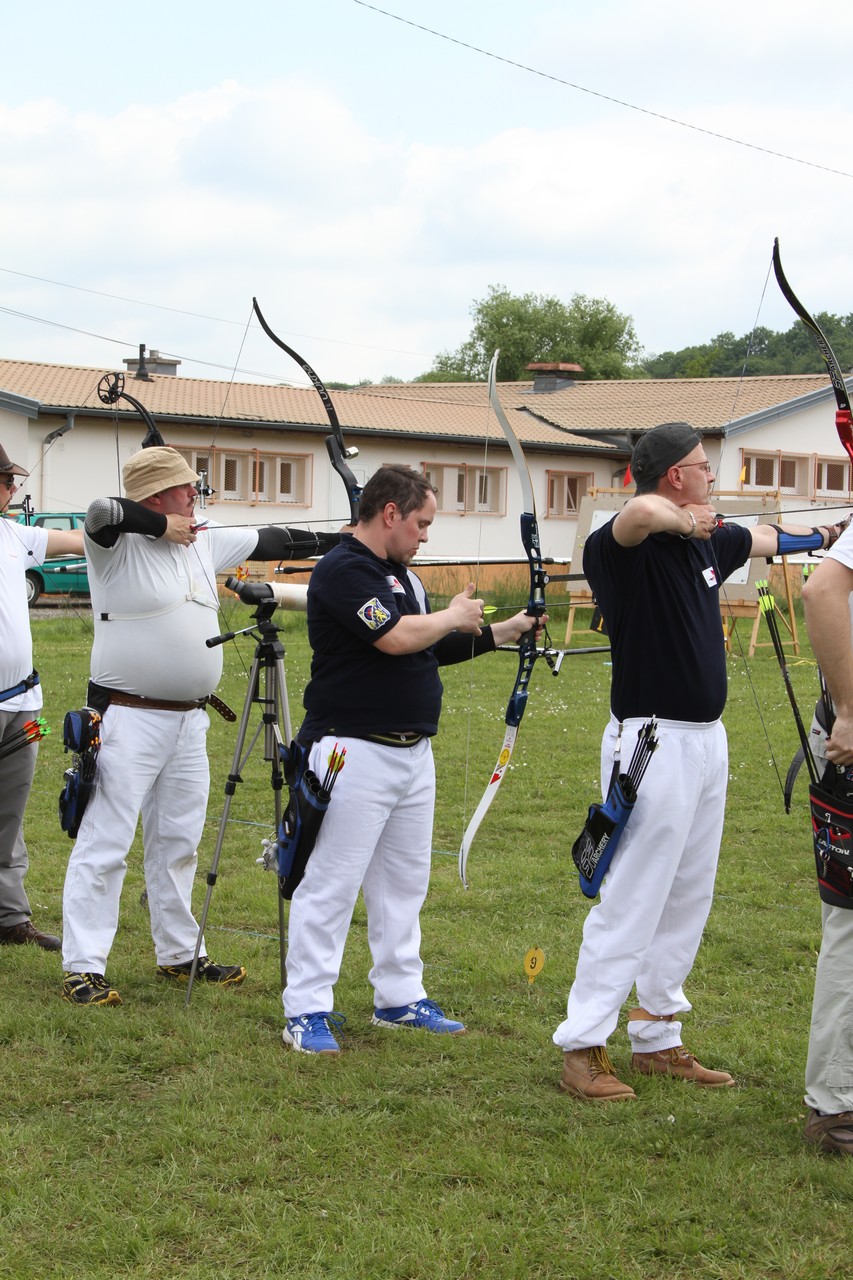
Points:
(155, 1140)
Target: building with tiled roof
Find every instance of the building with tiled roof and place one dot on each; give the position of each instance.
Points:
(262, 446)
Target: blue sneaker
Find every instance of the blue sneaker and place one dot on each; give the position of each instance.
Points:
(312, 1033)
(424, 1015)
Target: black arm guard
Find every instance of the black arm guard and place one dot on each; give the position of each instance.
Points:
(106, 518)
(275, 543)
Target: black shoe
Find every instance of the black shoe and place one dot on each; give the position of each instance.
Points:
(225, 975)
(88, 988)
(18, 934)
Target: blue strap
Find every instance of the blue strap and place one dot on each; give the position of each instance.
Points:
(30, 683)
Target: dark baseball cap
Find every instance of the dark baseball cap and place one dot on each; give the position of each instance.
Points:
(659, 449)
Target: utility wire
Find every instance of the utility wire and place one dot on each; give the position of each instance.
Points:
(595, 93)
(197, 315)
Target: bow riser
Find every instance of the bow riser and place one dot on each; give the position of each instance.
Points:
(538, 576)
(527, 649)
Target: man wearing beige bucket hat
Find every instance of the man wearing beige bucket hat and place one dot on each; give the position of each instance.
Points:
(152, 575)
(20, 699)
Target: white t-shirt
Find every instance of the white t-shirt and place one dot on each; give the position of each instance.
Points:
(21, 546)
(155, 604)
(843, 551)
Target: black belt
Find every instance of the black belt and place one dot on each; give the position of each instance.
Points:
(395, 739)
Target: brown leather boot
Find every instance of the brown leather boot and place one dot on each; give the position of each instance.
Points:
(831, 1132)
(589, 1074)
(19, 934)
(681, 1064)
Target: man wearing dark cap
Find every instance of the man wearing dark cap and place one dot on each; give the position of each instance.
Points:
(656, 570)
(152, 574)
(20, 699)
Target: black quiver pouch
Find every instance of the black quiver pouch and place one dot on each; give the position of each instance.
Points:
(832, 828)
(81, 734)
(307, 803)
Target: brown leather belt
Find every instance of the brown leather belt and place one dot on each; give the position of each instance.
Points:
(121, 699)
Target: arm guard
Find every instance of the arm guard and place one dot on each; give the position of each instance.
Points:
(106, 518)
(791, 543)
(276, 543)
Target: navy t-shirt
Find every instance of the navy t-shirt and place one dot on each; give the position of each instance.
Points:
(660, 602)
(355, 689)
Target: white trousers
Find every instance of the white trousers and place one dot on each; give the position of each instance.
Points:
(377, 837)
(655, 899)
(153, 763)
(829, 1066)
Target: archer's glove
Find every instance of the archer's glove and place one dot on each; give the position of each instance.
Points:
(834, 531)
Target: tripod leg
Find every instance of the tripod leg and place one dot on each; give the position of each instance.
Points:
(230, 788)
(270, 693)
(282, 709)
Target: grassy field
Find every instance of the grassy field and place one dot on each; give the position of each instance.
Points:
(156, 1140)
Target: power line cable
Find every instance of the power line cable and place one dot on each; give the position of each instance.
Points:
(199, 315)
(595, 93)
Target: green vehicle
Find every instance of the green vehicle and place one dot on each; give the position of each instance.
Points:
(60, 575)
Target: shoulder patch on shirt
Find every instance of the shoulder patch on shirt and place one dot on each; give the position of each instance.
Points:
(710, 576)
(374, 614)
(395, 584)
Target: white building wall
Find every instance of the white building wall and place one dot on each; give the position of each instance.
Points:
(14, 436)
(809, 434)
(86, 463)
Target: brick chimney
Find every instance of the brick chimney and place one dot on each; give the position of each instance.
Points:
(553, 377)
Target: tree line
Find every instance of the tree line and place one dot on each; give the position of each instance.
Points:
(535, 328)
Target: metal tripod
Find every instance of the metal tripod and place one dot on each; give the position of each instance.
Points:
(267, 689)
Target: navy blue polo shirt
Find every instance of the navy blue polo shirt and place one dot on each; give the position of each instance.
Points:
(660, 602)
(355, 689)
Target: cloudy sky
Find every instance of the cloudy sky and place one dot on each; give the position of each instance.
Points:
(160, 164)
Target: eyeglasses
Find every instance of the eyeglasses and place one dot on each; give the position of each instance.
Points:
(9, 481)
(706, 466)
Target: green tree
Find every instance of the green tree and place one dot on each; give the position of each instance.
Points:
(534, 328)
(761, 352)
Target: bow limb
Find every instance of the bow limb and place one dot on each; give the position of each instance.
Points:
(111, 390)
(843, 414)
(335, 447)
(527, 651)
